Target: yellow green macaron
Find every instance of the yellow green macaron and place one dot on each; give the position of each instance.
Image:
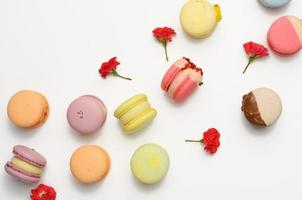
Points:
(150, 163)
(135, 113)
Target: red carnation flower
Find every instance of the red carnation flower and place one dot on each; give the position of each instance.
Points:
(164, 36)
(110, 68)
(210, 140)
(43, 192)
(253, 51)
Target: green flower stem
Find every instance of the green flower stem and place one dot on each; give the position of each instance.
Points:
(115, 73)
(199, 141)
(164, 42)
(251, 59)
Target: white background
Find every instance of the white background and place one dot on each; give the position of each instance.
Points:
(56, 47)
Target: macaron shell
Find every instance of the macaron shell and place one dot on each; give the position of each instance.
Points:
(29, 155)
(274, 3)
(198, 18)
(150, 163)
(184, 90)
(86, 114)
(17, 173)
(269, 105)
(283, 37)
(90, 164)
(140, 121)
(27, 109)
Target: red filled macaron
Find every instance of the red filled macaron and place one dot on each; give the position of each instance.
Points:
(182, 79)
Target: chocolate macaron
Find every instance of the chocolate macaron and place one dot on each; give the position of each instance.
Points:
(262, 107)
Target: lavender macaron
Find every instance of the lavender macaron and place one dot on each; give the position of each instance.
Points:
(26, 165)
(86, 114)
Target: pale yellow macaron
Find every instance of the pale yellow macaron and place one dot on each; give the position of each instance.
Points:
(89, 164)
(150, 163)
(27, 109)
(199, 18)
(135, 113)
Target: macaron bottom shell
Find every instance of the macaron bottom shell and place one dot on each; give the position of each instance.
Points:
(20, 174)
(140, 122)
(150, 163)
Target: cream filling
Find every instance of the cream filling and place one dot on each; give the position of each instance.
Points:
(181, 63)
(131, 114)
(269, 105)
(26, 166)
(297, 24)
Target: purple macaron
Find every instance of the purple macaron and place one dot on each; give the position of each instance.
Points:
(26, 165)
(86, 114)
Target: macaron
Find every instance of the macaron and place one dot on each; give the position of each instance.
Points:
(86, 114)
(199, 18)
(285, 35)
(27, 109)
(274, 3)
(89, 164)
(182, 79)
(262, 107)
(150, 163)
(135, 113)
(26, 165)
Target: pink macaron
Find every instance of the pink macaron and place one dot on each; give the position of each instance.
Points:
(181, 80)
(285, 35)
(86, 114)
(26, 165)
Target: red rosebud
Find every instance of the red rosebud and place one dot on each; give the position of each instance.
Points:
(164, 35)
(110, 68)
(253, 51)
(43, 192)
(210, 140)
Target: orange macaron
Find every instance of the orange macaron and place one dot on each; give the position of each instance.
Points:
(28, 109)
(89, 164)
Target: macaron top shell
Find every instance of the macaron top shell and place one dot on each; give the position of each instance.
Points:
(30, 155)
(285, 35)
(262, 106)
(274, 3)
(198, 18)
(90, 164)
(86, 114)
(150, 163)
(27, 108)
